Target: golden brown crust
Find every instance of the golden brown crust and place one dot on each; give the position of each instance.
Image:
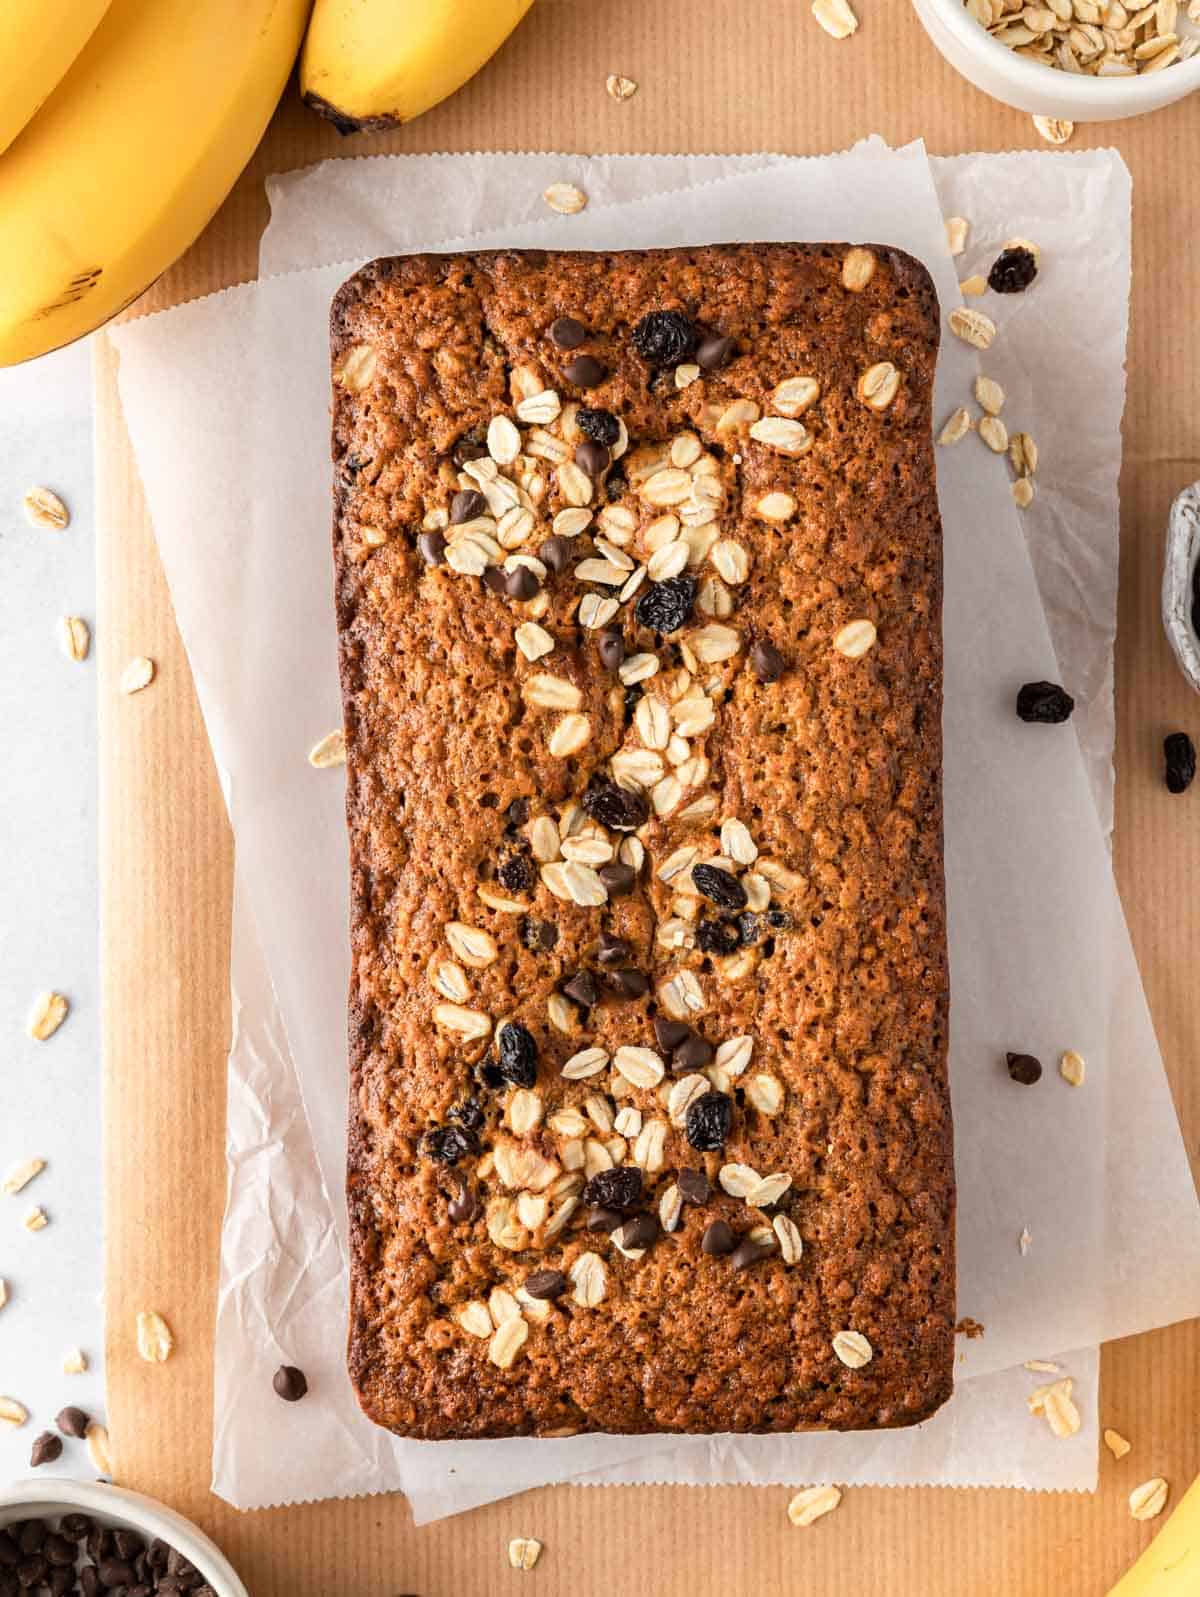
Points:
(834, 769)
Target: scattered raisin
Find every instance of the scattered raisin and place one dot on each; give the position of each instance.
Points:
(515, 874)
(1180, 754)
(1045, 703)
(717, 937)
(721, 886)
(619, 1188)
(469, 1113)
(664, 338)
(601, 426)
(449, 1144)
(709, 1121)
(665, 606)
(1013, 270)
(518, 1054)
(615, 806)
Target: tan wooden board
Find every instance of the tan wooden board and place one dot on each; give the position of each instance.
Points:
(713, 77)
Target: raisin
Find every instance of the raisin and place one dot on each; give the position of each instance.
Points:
(601, 426)
(1013, 270)
(633, 693)
(616, 483)
(449, 1144)
(515, 874)
(709, 1121)
(1180, 754)
(518, 1054)
(488, 1072)
(779, 920)
(717, 937)
(469, 1113)
(615, 806)
(722, 887)
(539, 936)
(665, 606)
(664, 338)
(1045, 703)
(619, 1188)
(750, 927)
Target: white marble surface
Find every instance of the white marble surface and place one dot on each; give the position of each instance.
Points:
(49, 911)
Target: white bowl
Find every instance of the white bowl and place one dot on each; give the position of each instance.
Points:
(113, 1505)
(1044, 91)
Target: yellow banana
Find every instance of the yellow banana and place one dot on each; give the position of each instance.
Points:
(38, 41)
(1170, 1566)
(131, 155)
(369, 64)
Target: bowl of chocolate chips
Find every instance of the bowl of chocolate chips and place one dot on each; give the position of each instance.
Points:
(59, 1538)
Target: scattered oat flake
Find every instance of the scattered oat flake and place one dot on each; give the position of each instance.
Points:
(47, 1015)
(1042, 1366)
(1022, 492)
(97, 1446)
(1116, 1443)
(1072, 1066)
(620, 87)
(1025, 1240)
(20, 1175)
(12, 1413)
(330, 751)
(972, 287)
(1054, 129)
(138, 674)
(957, 426)
(973, 327)
(813, 1503)
(1055, 1404)
(74, 637)
(154, 1339)
(524, 1552)
(957, 228)
(36, 1220)
(565, 198)
(43, 508)
(836, 17)
(1148, 1500)
(74, 1361)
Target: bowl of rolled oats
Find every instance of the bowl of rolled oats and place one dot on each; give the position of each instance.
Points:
(1068, 61)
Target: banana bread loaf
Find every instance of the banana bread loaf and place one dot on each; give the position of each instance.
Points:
(638, 578)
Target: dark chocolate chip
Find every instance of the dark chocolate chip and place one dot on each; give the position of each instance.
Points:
(464, 1206)
(72, 1421)
(670, 1033)
(128, 1543)
(618, 1188)
(115, 1572)
(581, 989)
(466, 505)
(546, 1284)
(466, 450)
(32, 1535)
(432, 548)
(76, 1526)
(629, 983)
(641, 1232)
(495, 580)
(539, 936)
(693, 1186)
(766, 661)
(1179, 753)
(1045, 703)
(722, 887)
(555, 554)
(599, 425)
(32, 1571)
(709, 1121)
(618, 878)
(602, 1219)
(518, 1054)
(715, 351)
(290, 1383)
(613, 950)
(664, 338)
(46, 1448)
(749, 1252)
(89, 1581)
(611, 647)
(1024, 1068)
(566, 332)
(521, 583)
(718, 1239)
(10, 1553)
(591, 457)
(585, 371)
(693, 1053)
(62, 1581)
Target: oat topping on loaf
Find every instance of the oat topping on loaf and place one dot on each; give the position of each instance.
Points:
(638, 591)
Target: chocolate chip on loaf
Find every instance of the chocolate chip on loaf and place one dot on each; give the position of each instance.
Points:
(585, 371)
(566, 332)
(718, 1239)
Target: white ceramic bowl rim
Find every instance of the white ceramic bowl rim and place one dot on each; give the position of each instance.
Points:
(1076, 92)
(57, 1495)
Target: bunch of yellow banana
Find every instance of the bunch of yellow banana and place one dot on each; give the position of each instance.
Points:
(126, 124)
(371, 64)
(1170, 1566)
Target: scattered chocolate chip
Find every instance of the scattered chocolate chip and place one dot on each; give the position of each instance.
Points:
(581, 989)
(10, 1553)
(466, 505)
(76, 1526)
(766, 661)
(464, 1206)
(539, 936)
(32, 1536)
(555, 554)
(664, 338)
(566, 332)
(629, 983)
(611, 647)
(468, 449)
(449, 1144)
(72, 1421)
(709, 1121)
(46, 1448)
(615, 806)
(495, 579)
(612, 950)
(718, 1239)
(599, 425)
(670, 1033)
(618, 878)
(641, 1232)
(718, 937)
(517, 812)
(515, 874)
(585, 371)
(618, 1188)
(693, 1053)
(600, 1219)
(62, 1581)
(127, 1542)
(721, 886)
(89, 1581)
(290, 1384)
(32, 1571)
(715, 351)
(665, 606)
(432, 548)
(749, 1252)
(693, 1186)
(1179, 753)
(1012, 271)
(591, 457)
(546, 1285)
(521, 583)
(1024, 1068)
(518, 1054)
(1045, 703)
(115, 1572)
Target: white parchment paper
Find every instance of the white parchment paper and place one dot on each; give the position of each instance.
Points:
(1039, 955)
